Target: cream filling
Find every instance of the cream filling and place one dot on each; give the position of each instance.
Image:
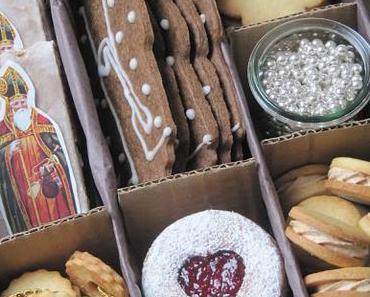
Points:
(346, 285)
(349, 176)
(335, 244)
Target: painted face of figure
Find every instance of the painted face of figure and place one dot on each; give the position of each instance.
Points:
(21, 114)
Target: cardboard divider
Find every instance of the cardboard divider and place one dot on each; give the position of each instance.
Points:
(149, 208)
(50, 246)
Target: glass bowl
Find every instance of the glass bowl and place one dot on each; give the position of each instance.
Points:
(287, 37)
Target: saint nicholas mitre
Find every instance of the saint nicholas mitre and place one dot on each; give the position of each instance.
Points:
(9, 37)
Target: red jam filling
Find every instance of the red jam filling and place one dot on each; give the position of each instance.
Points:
(217, 275)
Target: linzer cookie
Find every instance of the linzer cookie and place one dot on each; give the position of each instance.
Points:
(41, 178)
(182, 143)
(213, 253)
(203, 126)
(23, 23)
(207, 75)
(208, 13)
(122, 36)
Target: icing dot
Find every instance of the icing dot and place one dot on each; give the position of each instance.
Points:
(133, 64)
(167, 131)
(206, 90)
(146, 89)
(235, 128)
(203, 18)
(110, 3)
(121, 158)
(119, 37)
(158, 122)
(190, 114)
(131, 17)
(150, 156)
(165, 24)
(104, 104)
(207, 139)
(83, 38)
(170, 60)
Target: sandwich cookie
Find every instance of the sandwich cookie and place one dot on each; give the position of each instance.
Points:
(301, 183)
(325, 233)
(348, 282)
(213, 253)
(350, 178)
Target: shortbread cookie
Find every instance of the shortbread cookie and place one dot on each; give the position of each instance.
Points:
(207, 75)
(213, 253)
(40, 167)
(123, 38)
(42, 280)
(364, 224)
(182, 143)
(350, 179)
(203, 126)
(23, 23)
(93, 277)
(301, 183)
(353, 281)
(257, 11)
(212, 21)
(325, 231)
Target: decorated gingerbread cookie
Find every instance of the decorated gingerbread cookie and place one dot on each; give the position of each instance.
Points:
(41, 178)
(182, 144)
(207, 75)
(208, 12)
(16, 19)
(203, 126)
(122, 36)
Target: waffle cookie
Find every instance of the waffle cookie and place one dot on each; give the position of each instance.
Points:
(325, 233)
(350, 178)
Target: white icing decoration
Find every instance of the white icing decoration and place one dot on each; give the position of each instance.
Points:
(170, 60)
(190, 114)
(165, 24)
(235, 128)
(207, 140)
(110, 3)
(146, 89)
(206, 90)
(131, 17)
(158, 122)
(121, 158)
(119, 37)
(133, 64)
(203, 18)
(107, 59)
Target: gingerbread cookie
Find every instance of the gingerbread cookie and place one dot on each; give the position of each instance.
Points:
(41, 280)
(122, 36)
(203, 126)
(93, 277)
(16, 19)
(207, 75)
(182, 144)
(209, 14)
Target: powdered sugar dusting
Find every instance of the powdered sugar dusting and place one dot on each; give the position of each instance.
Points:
(207, 233)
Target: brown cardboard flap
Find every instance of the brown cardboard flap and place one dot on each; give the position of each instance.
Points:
(301, 148)
(50, 246)
(151, 207)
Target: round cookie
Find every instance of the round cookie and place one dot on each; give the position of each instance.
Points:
(353, 281)
(364, 224)
(350, 178)
(301, 183)
(42, 280)
(213, 251)
(325, 233)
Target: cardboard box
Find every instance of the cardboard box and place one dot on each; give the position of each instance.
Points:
(50, 246)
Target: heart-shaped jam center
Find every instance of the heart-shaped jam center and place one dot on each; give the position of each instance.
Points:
(217, 275)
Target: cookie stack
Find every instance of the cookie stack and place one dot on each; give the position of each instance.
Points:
(328, 225)
(40, 172)
(164, 77)
(87, 276)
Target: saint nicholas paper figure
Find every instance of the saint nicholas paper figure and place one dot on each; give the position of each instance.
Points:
(37, 185)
